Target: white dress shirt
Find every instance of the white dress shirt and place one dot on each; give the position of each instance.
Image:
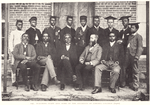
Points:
(112, 43)
(14, 38)
(69, 26)
(68, 46)
(83, 28)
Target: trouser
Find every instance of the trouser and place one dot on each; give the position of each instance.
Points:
(114, 75)
(132, 70)
(82, 72)
(35, 69)
(49, 70)
(66, 70)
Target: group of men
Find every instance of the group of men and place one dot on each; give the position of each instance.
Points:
(77, 53)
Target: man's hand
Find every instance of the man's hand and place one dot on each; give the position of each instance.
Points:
(119, 41)
(49, 56)
(117, 62)
(64, 57)
(28, 58)
(87, 63)
(103, 62)
(24, 61)
(74, 77)
(81, 61)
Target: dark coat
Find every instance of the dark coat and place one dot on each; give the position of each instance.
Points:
(126, 34)
(80, 39)
(71, 53)
(32, 33)
(136, 45)
(118, 52)
(67, 30)
(107, 32)
(99, 32)
(41, 50)
(51, 32)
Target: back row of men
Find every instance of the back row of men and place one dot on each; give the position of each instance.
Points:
(77, 53)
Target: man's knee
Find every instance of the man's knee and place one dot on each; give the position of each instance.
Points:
(116, 69)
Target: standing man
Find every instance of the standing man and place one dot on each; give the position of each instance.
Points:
(68, 30)
(45, 55)
(68, 61)
(88, 60)
(34, 33)
(14, 39)
(25, 55)
(53, 31)
(112, 58)
(80, 36)
(123, 39)
(134, 51)
(107, 31)
(96, 29)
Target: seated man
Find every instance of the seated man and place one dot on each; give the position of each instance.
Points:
(88, 60)
(112, 58)
(68, 61)
(25, 55)
(45, 55)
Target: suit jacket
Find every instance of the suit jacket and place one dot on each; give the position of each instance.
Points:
(107, 32)
(80, 40)
(67, 30)
(41, 50)
(99, 32)
(135, 45)
(118, 52)
(32, 34)
(71, 53)
(96, 54)
(19, 56)
(126, 34)
(51, 33)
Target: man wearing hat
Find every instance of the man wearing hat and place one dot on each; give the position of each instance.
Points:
(107, 31)
(68, 30)
(34, 33)
(123, 38)
(15, 38)
(96, 29)
(81, 33)
(53, 31)
(134, 51)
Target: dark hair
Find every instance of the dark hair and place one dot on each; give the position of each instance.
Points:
(52, 17)
(68, 35)
(44, 33)
(112, 33)
(137, 26)
(69, 17)
(19, 21)
(24, 34)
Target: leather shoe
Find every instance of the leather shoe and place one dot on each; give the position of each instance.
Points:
(27, 88)
(112, 90)
(62, 86)
(97, 90)
(57, 82)
(34, 87)
(80, 87)
(43, 87)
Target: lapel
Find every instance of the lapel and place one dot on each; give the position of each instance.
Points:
(94, 49)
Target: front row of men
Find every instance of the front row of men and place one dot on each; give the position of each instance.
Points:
(94, 58)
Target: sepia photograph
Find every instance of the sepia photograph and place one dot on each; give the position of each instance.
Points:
(75, 51)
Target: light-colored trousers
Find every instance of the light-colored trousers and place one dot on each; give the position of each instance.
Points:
(49, 70)
(114, 75)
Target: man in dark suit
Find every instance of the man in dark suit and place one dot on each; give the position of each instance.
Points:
(25, 55)
(134, 51)
(34, 33)
(53, 31)
(88, 60)
(68, 29)
(112, 59)
(123, 38)
(68, 61)
(96, 29)
(45, 56)
(80, 36)
(107, 31)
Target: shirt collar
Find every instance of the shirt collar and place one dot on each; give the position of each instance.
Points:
(110, 29)
(33, 28)
(134, 33)
(96, 27)
(125, 28)
(25, 44)
(68, 26)
(53, 27)
(83, 28)
(112, 43)
(68, 43)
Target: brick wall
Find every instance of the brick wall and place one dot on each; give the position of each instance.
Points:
(116, 9)
(26, 10)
